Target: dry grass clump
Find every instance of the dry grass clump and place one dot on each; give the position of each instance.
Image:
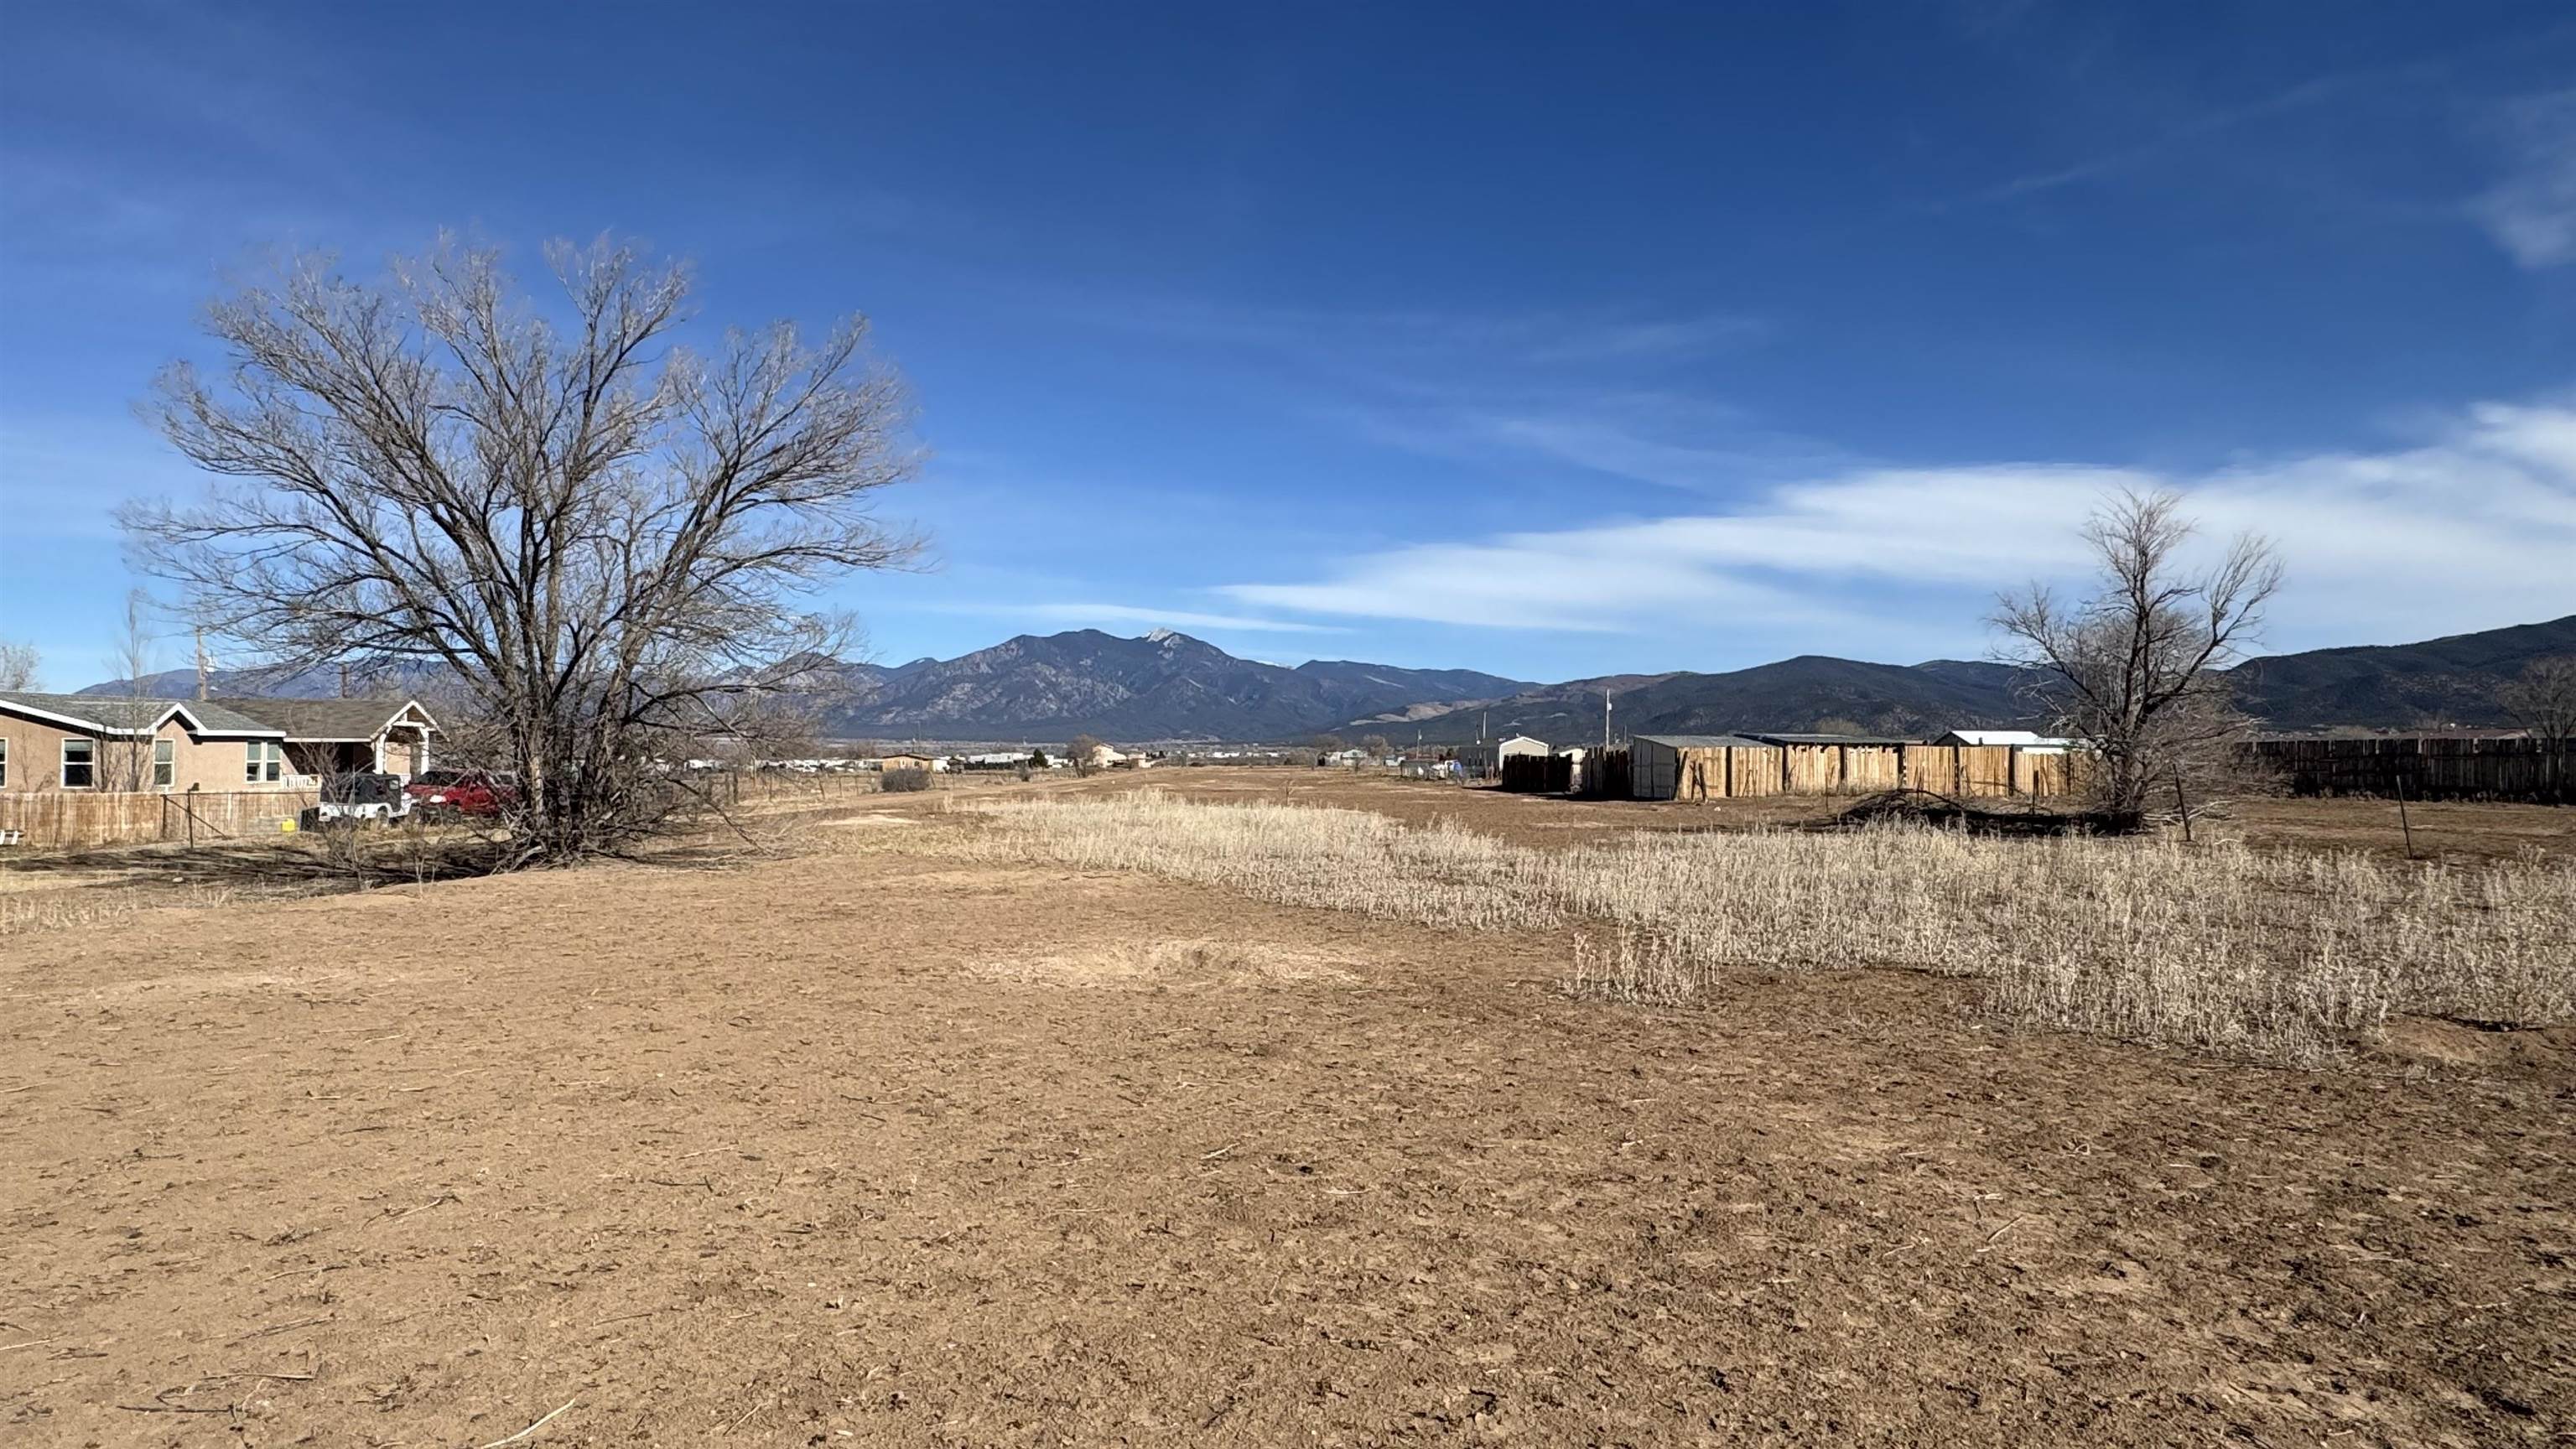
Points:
(1344, 859)
(2286, 958)
(1637, 967)
(1183, 965)
(75, 909)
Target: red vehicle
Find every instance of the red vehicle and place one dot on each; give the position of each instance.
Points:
(463, 792)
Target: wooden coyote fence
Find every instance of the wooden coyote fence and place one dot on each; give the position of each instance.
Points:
(1605, 775)
(1538, 774)
(1739, 772)
(2425, 768)
(67, 819)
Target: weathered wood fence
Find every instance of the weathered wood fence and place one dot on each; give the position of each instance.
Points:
(1722, 772)
(1736, 772)
(2425, 768)
(1539, 774)
(66, 819)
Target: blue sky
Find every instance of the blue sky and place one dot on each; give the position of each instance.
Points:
(1543, 339)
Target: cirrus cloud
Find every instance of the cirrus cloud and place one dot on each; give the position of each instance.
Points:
(2473, 529)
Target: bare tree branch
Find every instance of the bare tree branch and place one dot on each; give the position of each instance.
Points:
(606, 541)
(18, 665)
(2135, 670)
(2542, 699)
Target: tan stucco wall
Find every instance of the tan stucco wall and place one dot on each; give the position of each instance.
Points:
(36, 752)
(214, 764)
(36, 759)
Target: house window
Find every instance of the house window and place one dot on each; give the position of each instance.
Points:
(165, 763)
(266, 757)
(4, 761)
(80, 764)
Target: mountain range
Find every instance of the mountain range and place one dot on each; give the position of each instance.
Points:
(1163, 686)
(2448, 681)
(1167, 686)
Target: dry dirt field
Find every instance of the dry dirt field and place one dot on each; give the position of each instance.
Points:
(876, 1143)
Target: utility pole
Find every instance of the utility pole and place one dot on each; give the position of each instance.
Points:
(1605, 719)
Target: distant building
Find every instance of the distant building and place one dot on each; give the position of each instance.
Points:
(1678, 767)
(1484, 758)
(2018, 739)
(1760, 738)
(909, 761)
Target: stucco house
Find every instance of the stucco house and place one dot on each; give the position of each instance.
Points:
(122, 742)
(338, 736)
(119, 742)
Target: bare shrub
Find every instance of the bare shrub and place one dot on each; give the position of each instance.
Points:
(2275, 957)
(903, 782)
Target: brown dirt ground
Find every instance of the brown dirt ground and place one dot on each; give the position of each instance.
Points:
(875, 1147)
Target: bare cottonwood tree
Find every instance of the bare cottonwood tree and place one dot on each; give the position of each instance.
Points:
(606, 539)
(2134, 670)
(1084, 751)
(18, 665)
(2542, 699)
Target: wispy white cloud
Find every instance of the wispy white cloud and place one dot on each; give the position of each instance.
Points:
(2531, 213)
(1605, 388)
(2470, 530)
(1391, 345)
(2209, 123)
(1685, 443)
(1617, 390)
(1131, 614)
